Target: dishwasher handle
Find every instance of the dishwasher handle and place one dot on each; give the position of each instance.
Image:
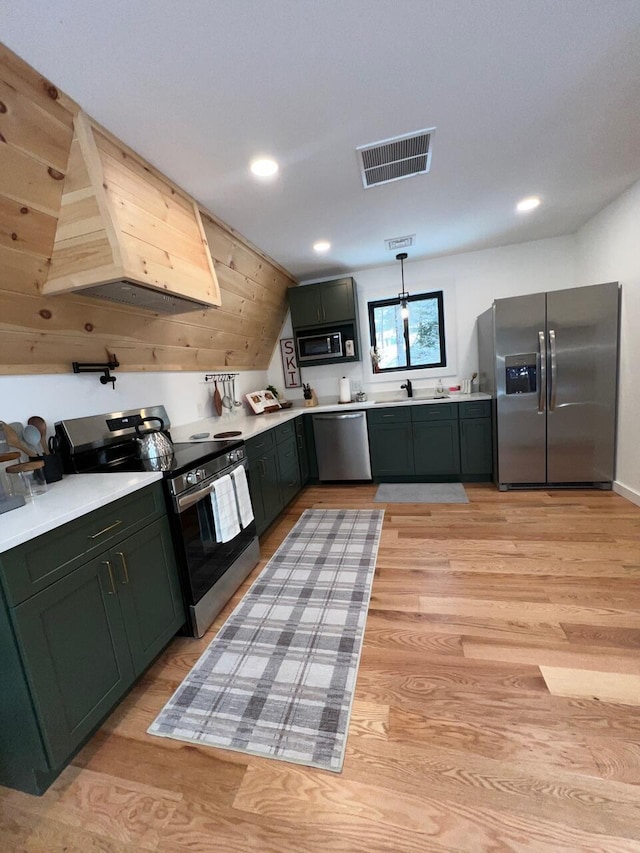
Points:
(349, 416)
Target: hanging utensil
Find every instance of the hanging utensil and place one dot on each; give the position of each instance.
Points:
(217, 400)
(236, 402)
(41, 425)
(226, 400)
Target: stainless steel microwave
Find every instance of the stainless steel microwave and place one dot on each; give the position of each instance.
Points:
(325, 345)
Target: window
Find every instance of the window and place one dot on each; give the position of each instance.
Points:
(408, 343)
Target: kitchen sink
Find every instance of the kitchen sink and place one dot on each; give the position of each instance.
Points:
(405, 399)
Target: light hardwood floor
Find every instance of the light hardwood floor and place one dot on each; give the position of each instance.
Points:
(497, 705)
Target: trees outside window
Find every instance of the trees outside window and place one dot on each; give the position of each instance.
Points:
(416, 341)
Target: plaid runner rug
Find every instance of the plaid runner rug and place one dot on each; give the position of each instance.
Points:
(278, 679)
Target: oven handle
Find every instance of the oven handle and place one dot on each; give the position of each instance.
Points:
(185, 501)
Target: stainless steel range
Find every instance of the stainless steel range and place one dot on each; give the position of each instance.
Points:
(210, 570)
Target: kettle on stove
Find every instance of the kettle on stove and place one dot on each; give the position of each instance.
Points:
(153, 443)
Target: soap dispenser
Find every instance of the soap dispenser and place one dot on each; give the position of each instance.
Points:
(441, 391)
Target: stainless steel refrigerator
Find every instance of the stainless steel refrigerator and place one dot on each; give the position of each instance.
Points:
(550, 361)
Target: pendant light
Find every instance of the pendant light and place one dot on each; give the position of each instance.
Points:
(404, 308)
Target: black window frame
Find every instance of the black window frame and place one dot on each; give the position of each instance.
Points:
(384, 303)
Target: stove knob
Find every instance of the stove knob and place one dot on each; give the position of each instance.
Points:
(192, 478)
(201, 474)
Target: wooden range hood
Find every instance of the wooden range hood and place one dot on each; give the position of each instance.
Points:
(125, 234)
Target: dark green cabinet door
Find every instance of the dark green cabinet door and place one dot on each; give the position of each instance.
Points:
(288, 470)
(391, 448)
(76, 655)
(337, 301)
(310, 441)
(264, 485)
(147, 580)
(475, 446)
(270, 477)
(306, 308)
(303, 453)
(436, 448)
(257, 497)
(321, 304)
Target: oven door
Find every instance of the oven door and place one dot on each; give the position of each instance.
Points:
(203, 559)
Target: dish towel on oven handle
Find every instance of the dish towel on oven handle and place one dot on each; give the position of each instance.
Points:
(225, 512)
(245, 510)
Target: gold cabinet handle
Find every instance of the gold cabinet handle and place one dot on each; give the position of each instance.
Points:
(105, 530)
(124, 567)
(112, 591)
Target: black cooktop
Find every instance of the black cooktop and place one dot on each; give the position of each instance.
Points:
(122, 457)
(190, 454)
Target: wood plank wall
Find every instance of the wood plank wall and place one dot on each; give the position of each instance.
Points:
(41, 334)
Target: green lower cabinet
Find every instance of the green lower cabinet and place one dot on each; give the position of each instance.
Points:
(264, 482)
(391, 449)
(303, 453)
(288, 470)
(149, 591)
(436, 448)
(71, 649)
(75, 651)
(476, 452)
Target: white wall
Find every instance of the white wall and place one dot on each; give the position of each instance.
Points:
(608, 249)
(59, 396)
(470, 282)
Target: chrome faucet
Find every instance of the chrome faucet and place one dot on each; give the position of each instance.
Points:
(409, 388)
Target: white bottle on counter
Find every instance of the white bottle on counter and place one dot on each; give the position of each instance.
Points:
(344, 390)
(441, 391)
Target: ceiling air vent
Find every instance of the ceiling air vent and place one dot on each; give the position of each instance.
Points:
(396, 158)
(400, 242)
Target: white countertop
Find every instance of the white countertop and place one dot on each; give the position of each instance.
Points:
(71, 497)
(252, 425)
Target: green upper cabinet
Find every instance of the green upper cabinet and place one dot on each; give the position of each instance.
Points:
(327, 303)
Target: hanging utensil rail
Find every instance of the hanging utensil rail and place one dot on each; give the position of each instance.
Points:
(220, 377)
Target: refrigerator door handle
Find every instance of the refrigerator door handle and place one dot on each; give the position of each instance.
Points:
(554, 371)
(542, 384)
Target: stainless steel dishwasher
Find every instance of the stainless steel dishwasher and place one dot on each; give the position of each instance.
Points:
(342, 446)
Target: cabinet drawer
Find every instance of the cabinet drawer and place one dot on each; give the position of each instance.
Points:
(40, 562)
(435, 412)
(478, 409)
(260, 444)
(284, 431)
(392, 415)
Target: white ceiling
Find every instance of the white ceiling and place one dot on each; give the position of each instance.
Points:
(528, 96)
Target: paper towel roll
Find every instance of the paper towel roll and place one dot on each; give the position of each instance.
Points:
(345, 390)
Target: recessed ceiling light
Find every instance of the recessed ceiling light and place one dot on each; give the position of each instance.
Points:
(264, 167)
(529, 203)
(322, 246)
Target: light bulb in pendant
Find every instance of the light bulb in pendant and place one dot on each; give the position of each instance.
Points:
(404, 311)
